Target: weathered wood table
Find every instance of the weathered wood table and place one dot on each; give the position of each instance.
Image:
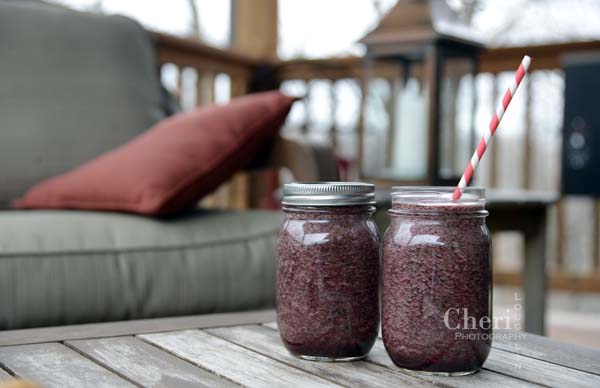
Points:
(226, 350)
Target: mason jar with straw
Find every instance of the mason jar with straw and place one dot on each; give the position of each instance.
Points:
(437, 272)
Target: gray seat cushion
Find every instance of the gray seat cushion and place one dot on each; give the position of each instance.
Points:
(66, 267)
(72, 85)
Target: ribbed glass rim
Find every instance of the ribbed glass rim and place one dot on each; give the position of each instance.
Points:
(328, 194)
(437, 196)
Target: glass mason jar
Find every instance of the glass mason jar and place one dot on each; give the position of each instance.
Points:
(328, 271)
(436, 282)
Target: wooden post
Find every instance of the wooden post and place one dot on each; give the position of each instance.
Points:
(205, 88)
(254, 31)
(456, 166)
(254, 27)
(560, 235)
(238, 85)
(205, 95)
(239, 193)
(534, 275)
(472, 125)
(528, 149)
(432, 71)
(306, 101)
(493, 152)
(596, 249)
(179, 84)
(333, 130)
(363, 80)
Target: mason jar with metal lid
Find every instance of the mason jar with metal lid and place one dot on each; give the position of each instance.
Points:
(328, 271)
(436, 284)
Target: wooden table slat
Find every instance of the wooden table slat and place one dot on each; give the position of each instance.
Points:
(4, 375)
(140, 326)
(537, 347)
(146, 364)
(240, 348)
(273, 325)
(486, 377)
(546, 349)
(55, 365)
(232, 361)
(538, 371)
(266, 341)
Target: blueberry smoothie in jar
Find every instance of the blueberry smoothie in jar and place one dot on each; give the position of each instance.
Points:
(436, 281)
(328, 271)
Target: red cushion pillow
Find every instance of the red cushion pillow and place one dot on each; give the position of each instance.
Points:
(171, 166)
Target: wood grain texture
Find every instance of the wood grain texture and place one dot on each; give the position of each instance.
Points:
(4, 375)
(111, 329)
(255, 26)
(273, 325)
(524, 199)
(485, 378)
(540, 372)
(534, 270)
(233, 362)
(531, 346)
(354, 374)
(561, 353)
(146, 364)
(55, 365)
(254, 356)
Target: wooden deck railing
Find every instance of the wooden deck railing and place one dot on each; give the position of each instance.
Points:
(492, 62)
(208, 62)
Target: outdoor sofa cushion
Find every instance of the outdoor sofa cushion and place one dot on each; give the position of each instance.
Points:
(171, 166)
(74, 85)
(67, 267)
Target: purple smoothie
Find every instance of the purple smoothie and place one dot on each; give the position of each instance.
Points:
(436, 270)
(327, 282)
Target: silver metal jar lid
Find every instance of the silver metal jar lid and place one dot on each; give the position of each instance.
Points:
(328, 194)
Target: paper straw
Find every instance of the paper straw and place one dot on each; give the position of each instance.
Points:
(485, 140)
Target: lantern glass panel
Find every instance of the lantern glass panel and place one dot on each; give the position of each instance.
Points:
(457, 107)
(395, 121)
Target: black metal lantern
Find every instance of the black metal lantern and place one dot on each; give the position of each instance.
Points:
(420, 95)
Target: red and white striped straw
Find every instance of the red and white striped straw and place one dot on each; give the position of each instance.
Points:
(485, 140)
